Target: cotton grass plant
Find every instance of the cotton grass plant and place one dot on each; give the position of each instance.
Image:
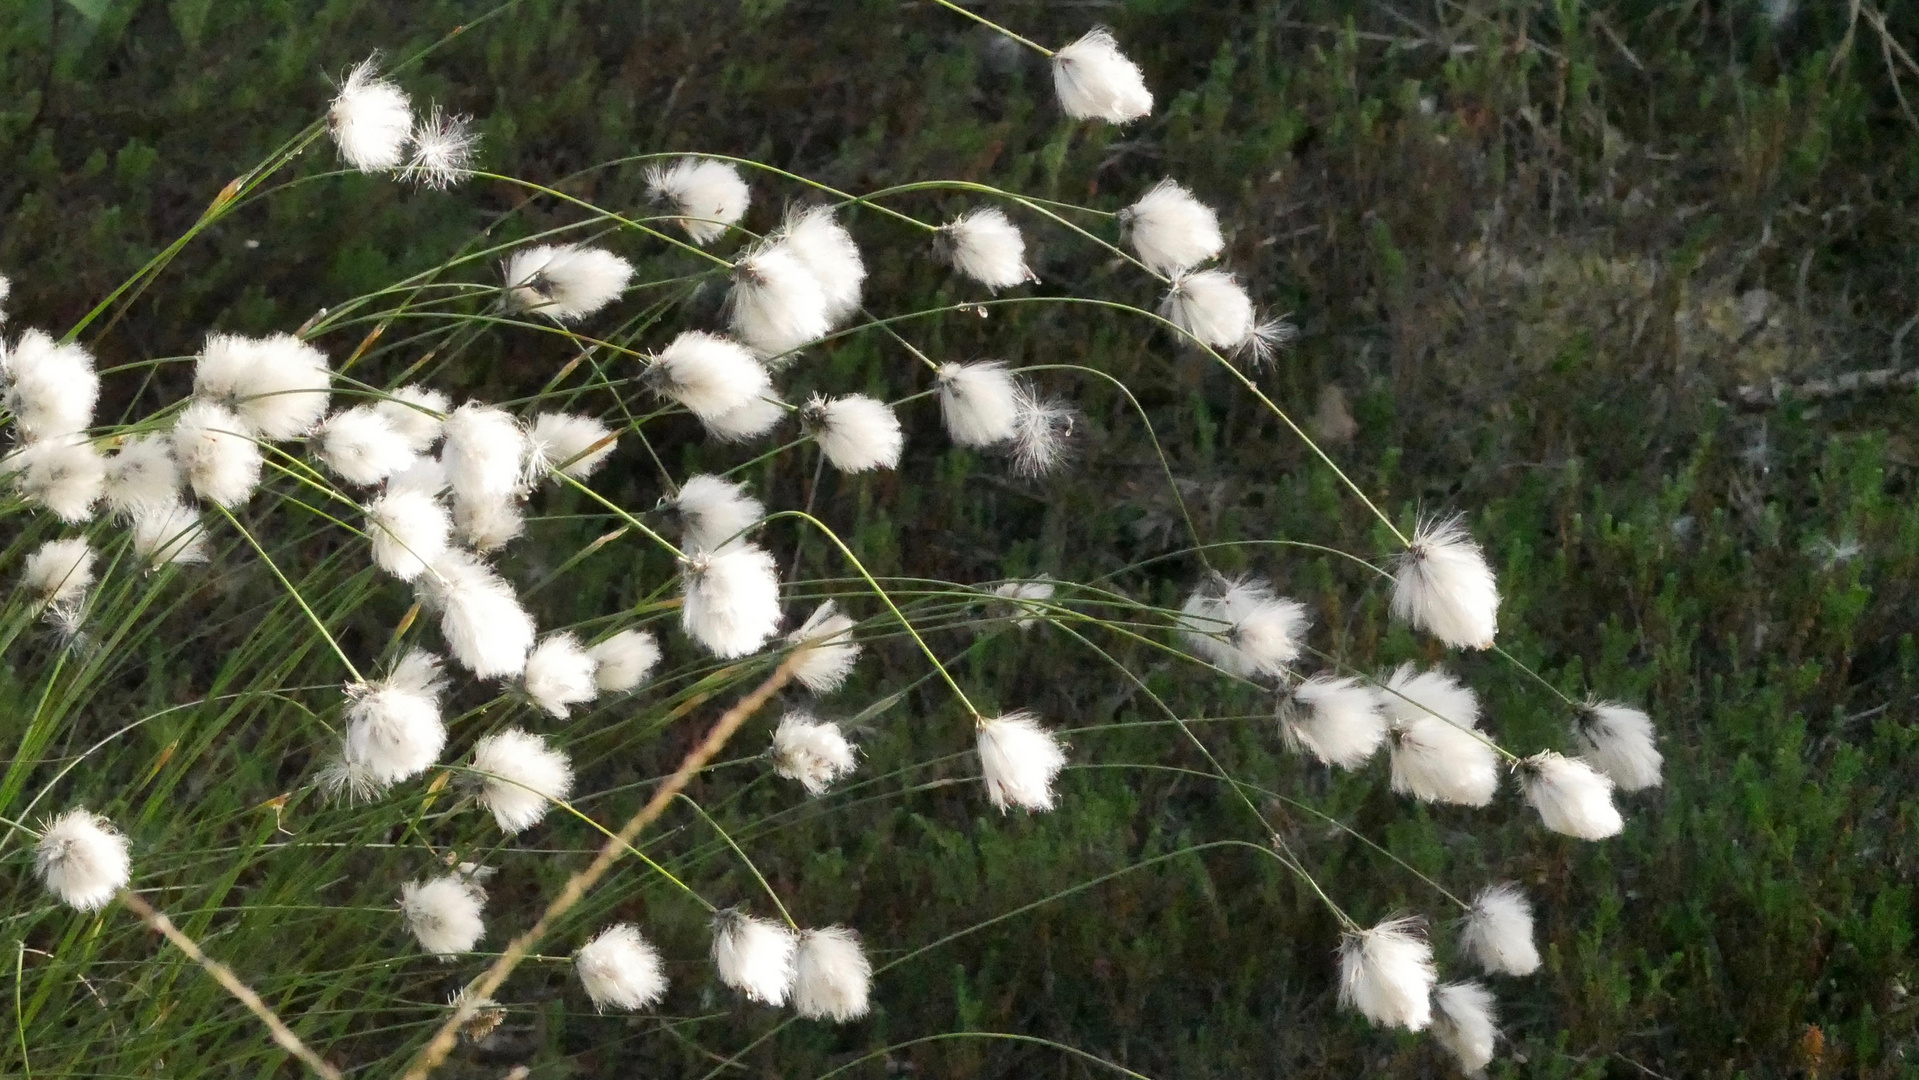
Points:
(428, 702)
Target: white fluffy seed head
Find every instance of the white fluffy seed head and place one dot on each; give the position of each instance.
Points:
(142, 473)
(619, 968)
(708, 374)
(979, 402)
(986, 246)
(732, 602)
(707, 195)
(1028, 598)
(1019, 760)
(1439, 755)
(1571, 796)
(1387, 974)
(1095, 81)
(443, 147)
(827, 249)
(63, 473)
(1042, 433)
(171, 533)
(814, 752)
(1444, 586)
(50, 387)
(444, 913)
(1242, 628)
(565, 283)
(216, 453)
(417, 413)
(82, 859)
(560, 674)
(754, 956)
(1172, 231)
(278, 385)
(485, 627)
(1499, 931)
(1464, 1021)
(427, 475)
(59, 571)
(624, 660)
(856, 433)
(1213, 307)
(484, 454)
(370, 119)
(713, 513)
(832, 977)
(1335, 719)
(1619, 741)
(826, 649)
(749, 421)
(572, 444)
(410, 529)
(394, 731)
(361, 447)
(487, 524)
(777, 304)
(523, 774)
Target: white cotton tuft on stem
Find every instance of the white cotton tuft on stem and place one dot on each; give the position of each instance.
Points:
(1464, 1022)
(707, 195)
(409, 530)
(1095, 81)
(823, 244)
(63, 473)
(832, 977)
(568, 443)
(750, 421)
(169, 534)
(361, 447)
(1619, 741)
(1171, 230)
(621, 969)
(1019, 760)
(1498, 933)
(1240, 626)
(708, 374)
(986, 246)
(814, 752)
(487, 524)
(443, 148)
(370, 119)
(394, 731)
(1439, 753)
(856, 433)
(444, 913)
(485, 627)
(277, 385)
(1386, 973)
(59, 572)
(777, 304)
(732, 599)
(754, 956)
(826, 649)
(1571, 796)
(565, 283)
(1213, 307)
(82, 859)
(1335, 719)
(979, 402)
(715, 513)
(560, 674)
(221, 461)
(142, 473)
(1443, 586)
(1028, 598)
(624, 660)
(51, 387)
(1042, 432)
(484, 454)
(417, 413)
(522, 776)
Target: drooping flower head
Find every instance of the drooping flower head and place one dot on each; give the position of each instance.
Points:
(826, 649)
(394, 730)
(1444, 587)
(620, 968)
(708, 195)
(82, 859)
(51, 386)
(277, 385)
(1387, 974)
(856, 433)
(1464, 1021)
(754, 956)
(986, 246)
(59, 571)
(827, 249)
(361, 447)
(1499, 931)
(560, 674)
(409, 529)
(777, 304)
(714, 513)
(63, 473)
(1619, 741)
(569, 443)
(1020, 760)
(1439, 753)
(169, 534)
(370, 119)
(811, 751)
(1095, 81)
(708, 374)
(1335, 719)
(732, 602)
(979, 402)
(522, 776)
(624, 660)
(142, 473)
(832, 976)
(485, 627)
(1171, 230)
(443, 146)
(566, 283)
(220, 459)
(1243, 628)
(444, 913)
(1571, 796)
(1212, 306)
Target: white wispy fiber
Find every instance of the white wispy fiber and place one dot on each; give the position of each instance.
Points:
(59, 572)
(828, 250)
(708, 195)
(1095, 81)
(1042, 430)
(51, 387)
(394, 731)
(142, 473)
(1028, 600)
(1465, 1023)
(620, 968)
(1241, 627)
(708, 374)
(1618, 740)
(1439, 754)
(443, 146)
(1171, 231)
(1213, 307)
(754, 956)
(566, 282)
(776, 304)
(1571, 796)
(82, 859)
(361, 447)
(1499, 931)
(170, 533)
(732, 602)
(1335, 719)
(1019, 760)
(572, 444)
(417, 413)
(979, 402)
(484, 453)
(714, 513)
(487, 524)
(6, 289)
(485, 627)
(219, 458)
(826, 649)
(523, 775)
(814, 752)
(444, 913)
(1387, 974)
(986, 246)
(278, 385)
(832, 977)
(560, 674)
(371, 119)
(749, 421)
(855, 432)
(624, 660)
(427, 475)
(63, 473)
(1443, 586)
(409, 530)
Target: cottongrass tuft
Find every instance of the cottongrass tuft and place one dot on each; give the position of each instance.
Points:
(51, 386)
(1042, 432)
(1386, 973)
(167, 534)
(708, 195)
(410, 530)
(560, 674)
(750, 421)
(443, 147)
(485, 627)
(715, 513)
(1095, 81)
(1028, 598)
(82, 859)
(856, 433)
(1499, 931)
(754, 956)
(277, 385)
(832, 977)
(1572, 797)
(1171, 230)
(979, 402)
(828, 250)
(142, 473)
(826, 647)
(219, 458)
(620, 968)
(813, 752)
(1464, 1022)
(732, 601)
(484, 453)
(1618, 740)
(708, 374)
(361, 446)
(63, 473)
(523, 775)
(370, 119)
(1336, 719)
(624, 660)
(59, 572)
(1019, 760)
(394, 731)
(1213, 307)
(568, 443)
(777, 304)
(417, 413)
(444, 913)
(985, 245)
(566, 282)
(1444, 587)
(487, 524)
(1240, 626)
(1439, 753)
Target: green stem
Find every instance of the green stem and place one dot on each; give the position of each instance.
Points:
(997, 28)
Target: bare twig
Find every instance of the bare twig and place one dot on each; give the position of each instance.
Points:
(1778, 390)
